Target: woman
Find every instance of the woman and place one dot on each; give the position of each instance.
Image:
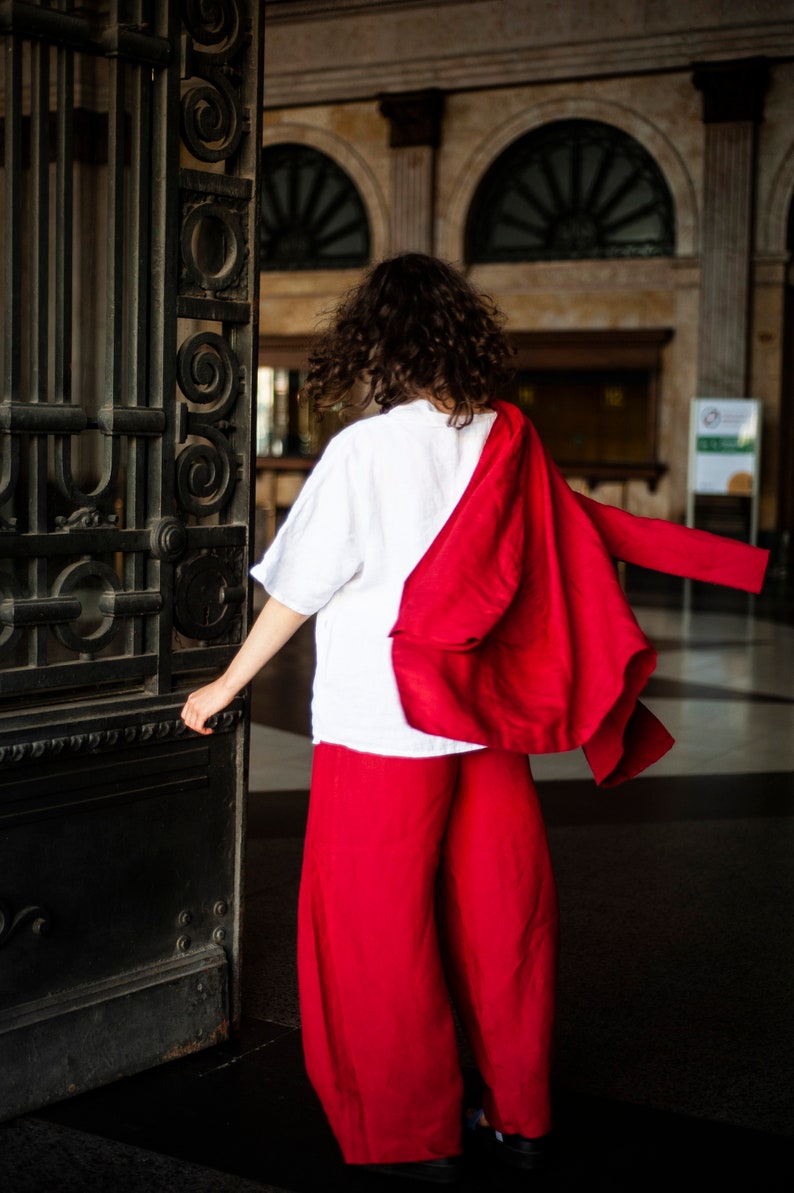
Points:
(426, 867)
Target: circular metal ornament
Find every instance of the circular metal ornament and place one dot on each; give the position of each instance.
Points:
(71, 580)
(201, 610)
(225, 226)
(168, 539)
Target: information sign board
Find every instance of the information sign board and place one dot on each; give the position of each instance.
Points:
(724, 444)
(725, 452)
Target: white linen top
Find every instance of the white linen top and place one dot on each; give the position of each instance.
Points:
(369, 510)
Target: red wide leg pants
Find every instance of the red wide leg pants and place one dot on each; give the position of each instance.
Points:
(422, 875)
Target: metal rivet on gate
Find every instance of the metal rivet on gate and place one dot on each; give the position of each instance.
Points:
(184, 918)
(220, 908)
(219, 935)
(183, 944)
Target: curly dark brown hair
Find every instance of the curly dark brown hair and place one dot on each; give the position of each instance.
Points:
(414, 326)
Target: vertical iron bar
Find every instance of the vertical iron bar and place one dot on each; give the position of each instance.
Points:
(12, 289)
(12, 280)
(245, 342)
(64, 207)
(39, 321)
(137, 310)
(115, 226)
(162, 347)
(114, 290)
(39, 227)
(64, 237)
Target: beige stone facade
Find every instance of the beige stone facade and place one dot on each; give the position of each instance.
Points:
(663, 73)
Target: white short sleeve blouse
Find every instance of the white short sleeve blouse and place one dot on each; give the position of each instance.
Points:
(371, 507)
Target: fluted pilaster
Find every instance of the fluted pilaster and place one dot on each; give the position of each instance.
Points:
(414, 134)
(412, 186)
(725, 272)
(733, 94)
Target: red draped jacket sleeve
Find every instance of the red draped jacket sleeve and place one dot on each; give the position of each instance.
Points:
(514, 632)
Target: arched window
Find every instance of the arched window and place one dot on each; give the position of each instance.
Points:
(312, 214)
(571, 190)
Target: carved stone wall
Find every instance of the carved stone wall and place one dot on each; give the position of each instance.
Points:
(321, 52)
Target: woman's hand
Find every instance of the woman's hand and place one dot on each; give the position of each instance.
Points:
(205, 702)
(274, 626)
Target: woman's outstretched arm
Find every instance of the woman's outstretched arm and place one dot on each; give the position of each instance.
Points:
(274, 626)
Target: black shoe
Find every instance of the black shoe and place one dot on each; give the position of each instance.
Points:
(441, 1172)
(514, 1150)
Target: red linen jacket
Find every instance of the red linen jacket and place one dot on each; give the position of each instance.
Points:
(513, 630)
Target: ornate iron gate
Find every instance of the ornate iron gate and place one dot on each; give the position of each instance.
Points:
(131, 147)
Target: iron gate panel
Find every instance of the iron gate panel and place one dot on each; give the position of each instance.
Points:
(131, 134)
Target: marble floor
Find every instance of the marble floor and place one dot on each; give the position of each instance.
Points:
(675, 1061)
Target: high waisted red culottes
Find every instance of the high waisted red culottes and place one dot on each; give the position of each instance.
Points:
(423, 876)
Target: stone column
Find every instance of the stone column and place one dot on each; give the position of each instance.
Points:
(414, 134)
(733, 100)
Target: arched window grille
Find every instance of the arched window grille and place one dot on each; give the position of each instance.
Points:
(312, 214)
(571, 190)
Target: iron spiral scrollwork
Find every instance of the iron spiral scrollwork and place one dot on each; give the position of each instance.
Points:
(205, 472)
(208, 372)
(216, 284)
(216, 25)
(212, 118)
(209, 376)
(212, 123)
(116, 487)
